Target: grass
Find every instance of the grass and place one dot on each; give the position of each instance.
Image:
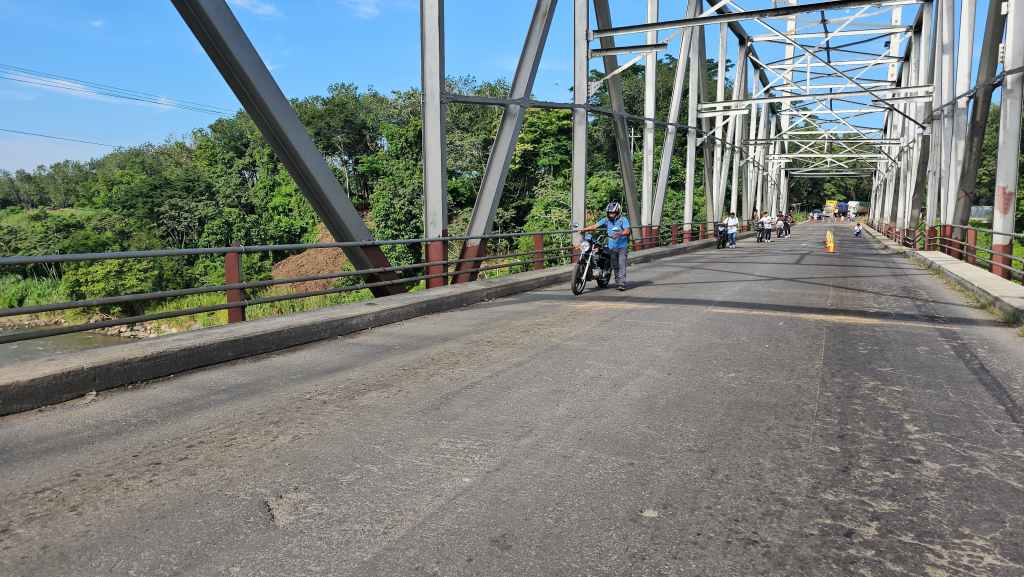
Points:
(16, 292)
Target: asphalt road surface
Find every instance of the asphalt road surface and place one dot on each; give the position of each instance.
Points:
(768, 410)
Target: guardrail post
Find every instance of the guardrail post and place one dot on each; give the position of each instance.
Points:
(1001, 261)
(437, 252)
(675, 234)
(972, 241)
(700, 232)
(929, 241)
(233, 275)
(538, 251)
(654, 236)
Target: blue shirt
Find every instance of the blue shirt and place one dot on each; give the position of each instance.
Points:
(616, 227)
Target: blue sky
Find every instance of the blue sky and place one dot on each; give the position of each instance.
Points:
(308, 44)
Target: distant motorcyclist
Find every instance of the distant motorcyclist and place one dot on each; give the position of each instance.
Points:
(618, 240)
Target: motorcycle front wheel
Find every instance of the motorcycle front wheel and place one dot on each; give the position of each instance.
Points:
(579, 277)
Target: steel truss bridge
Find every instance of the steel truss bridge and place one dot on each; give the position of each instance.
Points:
(864, 88)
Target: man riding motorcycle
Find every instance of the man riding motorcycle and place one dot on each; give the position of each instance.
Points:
(618, 240)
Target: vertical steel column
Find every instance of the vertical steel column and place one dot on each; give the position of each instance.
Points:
(674, 108)
(964, 62)
(945, 27)
(435, 146)
(922, 145)
(710, 212)
(760, 171)
(231, 51)
(902, 159)
(581, 55)
(737, 148)
(750, 187)
(735, 128)
(650, 109)
(1007, 175)
(935, 149)
(995, 21)
(625, 151)
(786, 106)
(719, 143)
(910, 139)
(693, 95)
(492, 184)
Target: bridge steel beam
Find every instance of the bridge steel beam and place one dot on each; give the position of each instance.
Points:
(988, 61)
(496, 171)
(625, 152)
(581, 89)
(674, 107)
(1007, 175)
(650, 109)
(922, 145)
(435, 145)
(706, 127)
(739, 81)
(777, 12)
(935, 141)
(693, 100)
(719, 143)
(958, 109)
(945, 30)
(231, 51)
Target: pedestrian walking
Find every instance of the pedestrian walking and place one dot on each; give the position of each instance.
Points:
(731, 224)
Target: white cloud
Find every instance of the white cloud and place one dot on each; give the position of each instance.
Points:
(256, 7)
(365, 9)
(97, 23)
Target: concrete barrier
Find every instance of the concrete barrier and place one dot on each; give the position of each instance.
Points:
(33, 384)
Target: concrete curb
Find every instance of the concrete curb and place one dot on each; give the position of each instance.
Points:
(991, 290)
(32, 384)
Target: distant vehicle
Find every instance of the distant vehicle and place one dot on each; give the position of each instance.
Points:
(830, 207)
(858, 207)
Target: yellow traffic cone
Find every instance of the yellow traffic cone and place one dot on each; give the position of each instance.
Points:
(830, 242)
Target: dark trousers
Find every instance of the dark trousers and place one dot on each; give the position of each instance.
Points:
(619, 263)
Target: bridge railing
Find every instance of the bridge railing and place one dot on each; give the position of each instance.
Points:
(977, 246)
(504, 253)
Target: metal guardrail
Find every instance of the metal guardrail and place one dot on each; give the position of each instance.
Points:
(965, 247)
(235, 288)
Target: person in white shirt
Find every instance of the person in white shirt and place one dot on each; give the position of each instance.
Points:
(731, 224)
(778, 227)
(768, 224)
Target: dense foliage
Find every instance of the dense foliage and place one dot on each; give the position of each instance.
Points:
(224, 185)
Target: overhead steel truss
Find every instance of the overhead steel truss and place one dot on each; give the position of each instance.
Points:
(863, 88)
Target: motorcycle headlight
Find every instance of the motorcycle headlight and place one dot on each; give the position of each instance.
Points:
(584, 246)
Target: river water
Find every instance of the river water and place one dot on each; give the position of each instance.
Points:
(41, 348)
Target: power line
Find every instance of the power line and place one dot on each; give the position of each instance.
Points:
(77, 85)
(52, 137)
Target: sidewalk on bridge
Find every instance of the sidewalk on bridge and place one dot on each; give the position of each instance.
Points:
(992, 290)
(33, 384)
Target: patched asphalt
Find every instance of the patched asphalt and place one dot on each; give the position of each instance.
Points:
(768, 410)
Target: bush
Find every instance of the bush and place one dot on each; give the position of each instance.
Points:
(111, 278)
(16, 292)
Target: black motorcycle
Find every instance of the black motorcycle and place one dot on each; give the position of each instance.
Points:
(595, 263)
(721, 231)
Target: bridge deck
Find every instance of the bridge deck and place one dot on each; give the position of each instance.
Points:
(769, 410)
